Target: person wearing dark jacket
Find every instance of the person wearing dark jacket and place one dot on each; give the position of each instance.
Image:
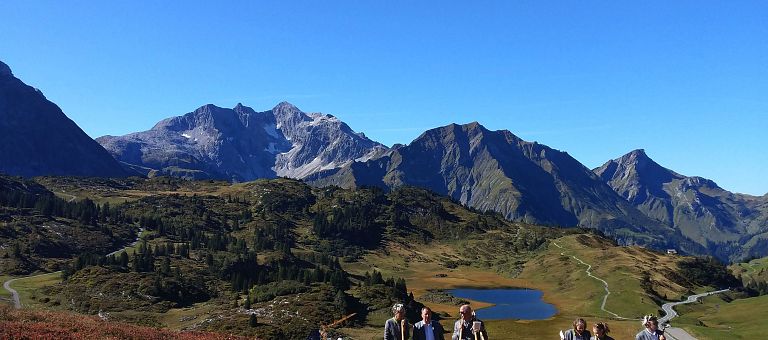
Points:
(601, 331)
(427, 329)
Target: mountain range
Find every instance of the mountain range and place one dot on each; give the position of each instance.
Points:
(729, 225)
(240, 144)
(632, 198)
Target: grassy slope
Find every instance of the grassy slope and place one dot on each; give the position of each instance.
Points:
(566, 285)
(28, 288)
(717, 318)
(4, 294)
(756, 269)
(50, 325)
(561, 278)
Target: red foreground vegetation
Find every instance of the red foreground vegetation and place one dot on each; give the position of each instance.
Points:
(25, 324)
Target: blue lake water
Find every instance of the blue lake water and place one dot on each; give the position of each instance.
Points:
(514, 303)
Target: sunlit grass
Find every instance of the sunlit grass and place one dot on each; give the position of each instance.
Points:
(4, 293)
(716, 318)
(29, 288)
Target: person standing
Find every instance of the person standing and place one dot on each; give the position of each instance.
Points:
(579, 331)
(600, 330)
(468, 327)
(427, 329)
(397, 328)
(651, 331)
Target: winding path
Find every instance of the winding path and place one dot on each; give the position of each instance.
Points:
(671, 332)
(670, 312)
(15, 294)
(674, 333)
(605, 284)
(7, 284)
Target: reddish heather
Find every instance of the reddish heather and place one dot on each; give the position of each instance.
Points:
(25, 324)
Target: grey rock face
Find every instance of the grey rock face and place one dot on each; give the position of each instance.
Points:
(719, 220)
(240, 144)
(36, 138)
(496, 170)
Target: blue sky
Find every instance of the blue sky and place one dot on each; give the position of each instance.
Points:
(685, 80)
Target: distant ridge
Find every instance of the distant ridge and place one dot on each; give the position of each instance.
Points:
(240, 144)
(632, 198)
(731, 226)
(37, 138)
(496, 170)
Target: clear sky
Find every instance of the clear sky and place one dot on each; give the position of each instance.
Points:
(685, 80)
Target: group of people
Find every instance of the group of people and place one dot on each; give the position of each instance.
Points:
(467, 327)
(600, 331)
(580, 332)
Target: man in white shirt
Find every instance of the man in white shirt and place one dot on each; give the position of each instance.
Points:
(427, 329)
(651, 331)
(468, 327)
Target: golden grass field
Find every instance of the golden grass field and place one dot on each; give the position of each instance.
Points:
(28, 288)
(716, 318)
(561, 278)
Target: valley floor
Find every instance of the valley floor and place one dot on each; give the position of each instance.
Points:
(554, 271)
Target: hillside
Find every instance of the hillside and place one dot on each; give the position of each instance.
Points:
(20, 324)
(219, 248)
(524, 181)
(41, 232)
(214, 253)
(37, 138)
(730, 226)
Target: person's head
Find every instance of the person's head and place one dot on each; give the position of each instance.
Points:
(398, 310)
(579, 325)
(426, 314)
(651, 322)
(600, 329)
(465, 311)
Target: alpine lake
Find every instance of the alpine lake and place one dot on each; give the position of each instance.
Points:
(509, 303)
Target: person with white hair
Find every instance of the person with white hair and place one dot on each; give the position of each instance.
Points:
(651, 331)
(397, 327)
(468, 327)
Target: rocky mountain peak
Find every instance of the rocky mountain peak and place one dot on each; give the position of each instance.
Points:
(242, 144)
(241, 108)
(637, 167)
(637, 155)
(284, 108)
(5, 70)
